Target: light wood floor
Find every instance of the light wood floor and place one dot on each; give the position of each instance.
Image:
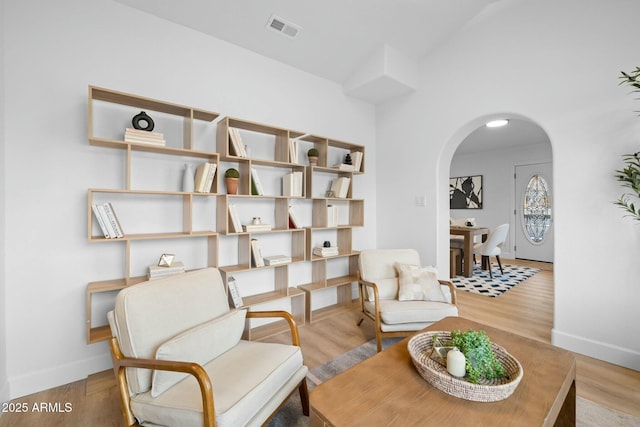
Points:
(525, 310)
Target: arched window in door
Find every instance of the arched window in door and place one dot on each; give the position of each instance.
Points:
(536, 209)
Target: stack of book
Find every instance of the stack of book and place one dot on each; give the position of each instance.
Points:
(340, 186)
(107, 220)
(237, 147)
(204, 177)
(277, 259)
(249, 228)
(324, 251)
(156, 271)
(144, 137)
(356, 163)
(344, 167)
(292, 184)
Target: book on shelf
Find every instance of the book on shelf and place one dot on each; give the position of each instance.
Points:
(344, 167)
(340, 186)
(236, 143)
(144, 137)
(257, 227)
(107, 220)
(113, 218)
(277, 259)
(356, 160)
(293, 219)
(256, 254)
(332, 216)
(292, 184)
(101, 218)
(293, 150)
(156, 271)
(142, 132)
(256, 184)
(234, 294)
(205, 174)
(236, 225)
(324, 251)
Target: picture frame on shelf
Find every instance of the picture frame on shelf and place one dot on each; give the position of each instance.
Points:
(166, 260)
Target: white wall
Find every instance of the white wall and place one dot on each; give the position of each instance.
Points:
(51, 58)
(497, 168)
(556, 63)
(4, 385)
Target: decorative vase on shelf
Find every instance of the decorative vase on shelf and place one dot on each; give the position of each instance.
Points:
(188, 179)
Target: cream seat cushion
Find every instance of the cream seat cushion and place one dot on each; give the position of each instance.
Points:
(243, 379)
(394, 312)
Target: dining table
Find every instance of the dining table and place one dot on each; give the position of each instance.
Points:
(468, 233)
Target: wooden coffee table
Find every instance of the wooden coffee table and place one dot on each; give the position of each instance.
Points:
(386, 389)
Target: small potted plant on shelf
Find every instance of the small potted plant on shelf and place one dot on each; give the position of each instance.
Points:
(313, 154)
(231, 178)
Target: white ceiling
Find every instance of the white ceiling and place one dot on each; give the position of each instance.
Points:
(338, 36)
(517, 133)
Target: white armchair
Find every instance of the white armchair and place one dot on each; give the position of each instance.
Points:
(180, 360)
(399, 295)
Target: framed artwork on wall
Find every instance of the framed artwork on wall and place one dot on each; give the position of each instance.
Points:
(465, 192)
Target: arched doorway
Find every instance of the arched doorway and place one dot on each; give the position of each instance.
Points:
(495, 155)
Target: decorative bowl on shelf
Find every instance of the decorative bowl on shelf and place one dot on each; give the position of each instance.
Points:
(491, 390)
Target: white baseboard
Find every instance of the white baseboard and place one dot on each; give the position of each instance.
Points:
(597, 349)
(34, 382)
(5, 396)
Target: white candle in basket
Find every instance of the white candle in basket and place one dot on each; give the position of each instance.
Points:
(456, 362)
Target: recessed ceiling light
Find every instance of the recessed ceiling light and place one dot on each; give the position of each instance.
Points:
(497, 123)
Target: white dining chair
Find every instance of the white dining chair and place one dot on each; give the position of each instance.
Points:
(492, 247)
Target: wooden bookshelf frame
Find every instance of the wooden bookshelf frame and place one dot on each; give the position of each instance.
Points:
(300, 297)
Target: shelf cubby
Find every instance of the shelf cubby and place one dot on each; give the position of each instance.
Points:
(343, 285)
(280, 292)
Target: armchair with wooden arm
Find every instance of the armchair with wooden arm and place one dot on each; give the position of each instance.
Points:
(378, 292)
(180, 361)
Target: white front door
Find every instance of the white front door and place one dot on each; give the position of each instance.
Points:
(534, 212)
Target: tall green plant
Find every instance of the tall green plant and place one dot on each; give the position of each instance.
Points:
(630, 175)
(630, 178)
(631, 79)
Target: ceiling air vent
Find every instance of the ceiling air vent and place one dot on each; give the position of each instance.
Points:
(286, 28)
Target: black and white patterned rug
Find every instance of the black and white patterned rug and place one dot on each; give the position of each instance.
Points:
(480, 283)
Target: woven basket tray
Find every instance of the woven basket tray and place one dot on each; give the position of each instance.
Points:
(435, 374)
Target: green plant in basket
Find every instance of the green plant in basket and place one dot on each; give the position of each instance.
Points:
(481, 363)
